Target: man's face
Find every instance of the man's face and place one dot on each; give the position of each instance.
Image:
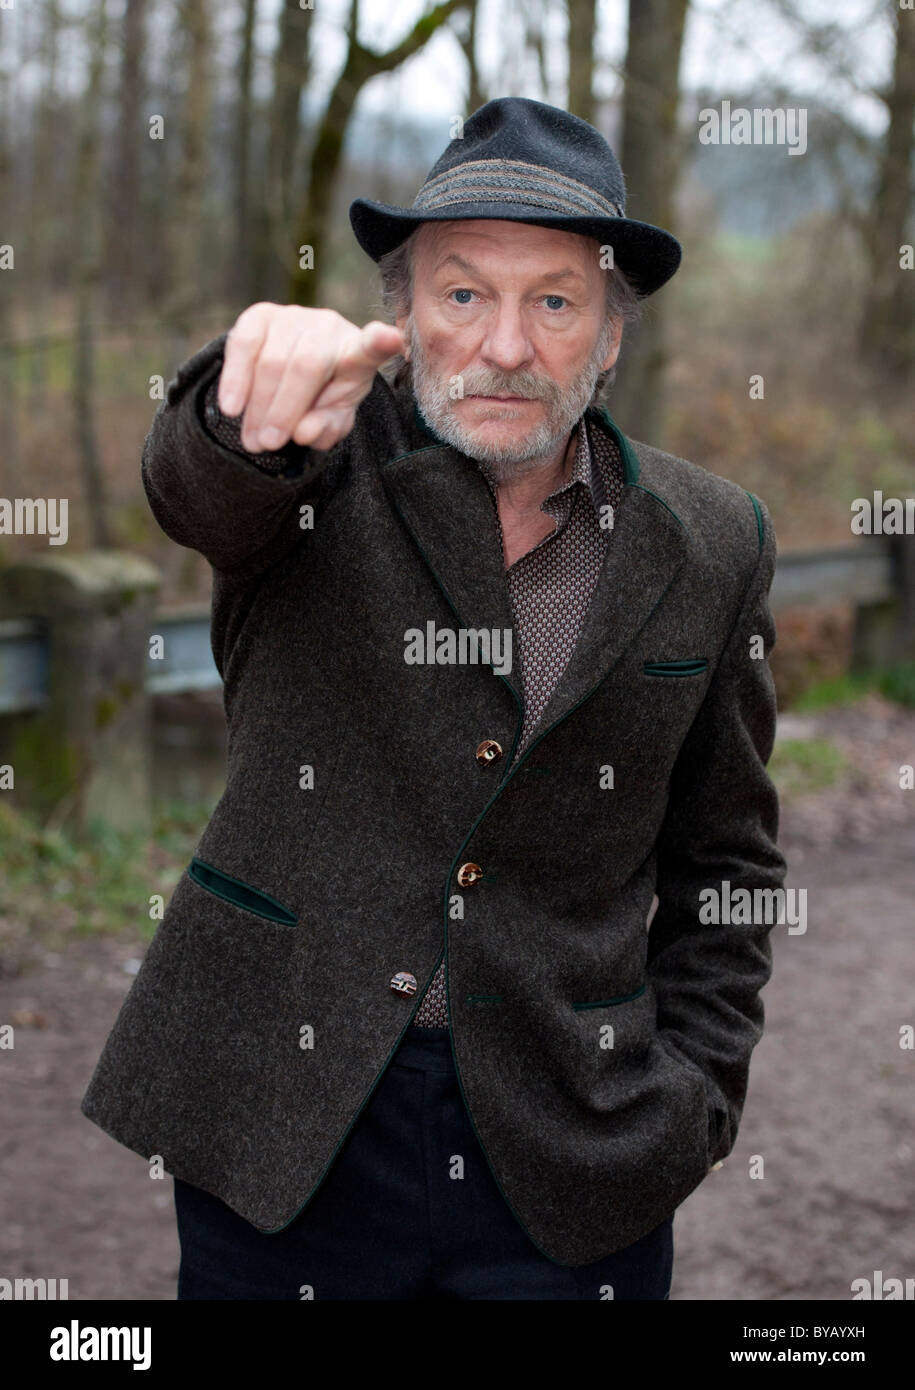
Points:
(507, 310)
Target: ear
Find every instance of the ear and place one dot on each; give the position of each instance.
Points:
(402, 323)
(613, 350)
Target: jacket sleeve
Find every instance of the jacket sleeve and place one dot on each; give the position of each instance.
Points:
(720, 827)
(234, 508)
(226, 429)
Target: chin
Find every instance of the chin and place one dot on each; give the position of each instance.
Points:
(498, 432)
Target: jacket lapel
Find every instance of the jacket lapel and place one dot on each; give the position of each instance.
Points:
(647, 548)
(446, 505)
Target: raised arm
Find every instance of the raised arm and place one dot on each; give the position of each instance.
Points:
(295, 376)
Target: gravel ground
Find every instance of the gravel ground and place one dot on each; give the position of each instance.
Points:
(829, 1109)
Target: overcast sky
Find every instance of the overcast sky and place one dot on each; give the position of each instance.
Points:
(743, 39)
(731, 45)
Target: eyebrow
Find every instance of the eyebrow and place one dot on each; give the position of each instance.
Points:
(567, 273)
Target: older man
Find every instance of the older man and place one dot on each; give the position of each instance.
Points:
(409, 1028)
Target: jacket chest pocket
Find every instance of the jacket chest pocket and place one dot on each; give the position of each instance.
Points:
(243, 895)
(690, 666)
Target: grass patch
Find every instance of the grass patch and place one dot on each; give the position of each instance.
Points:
(55, 888)
(799, 766)
(896, 683)
(833, 693)
(899, 684)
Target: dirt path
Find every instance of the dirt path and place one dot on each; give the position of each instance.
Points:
(830, 1110)
(830, 1104)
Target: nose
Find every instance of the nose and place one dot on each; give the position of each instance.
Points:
(507, 345)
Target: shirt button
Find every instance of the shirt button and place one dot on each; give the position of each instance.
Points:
(489, 751)
(468, 874)
(403, 982)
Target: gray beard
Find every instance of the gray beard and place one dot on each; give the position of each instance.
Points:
(541, 443)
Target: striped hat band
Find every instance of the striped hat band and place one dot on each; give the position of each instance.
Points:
(512, 181)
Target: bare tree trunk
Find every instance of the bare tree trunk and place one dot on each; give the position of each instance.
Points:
(476, 97)
(122, 240)
(272, 217)
(86, 274)
(582, 33)
(650, 156)
(360, 66)
(240, 276)
(887, 336)
(291, 70)
(9, 434)
(534, 24)
(185, 260)
(37, 214)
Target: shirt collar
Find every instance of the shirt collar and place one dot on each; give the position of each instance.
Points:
(585, 467)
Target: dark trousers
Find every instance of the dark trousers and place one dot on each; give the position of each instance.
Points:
(408, 1210)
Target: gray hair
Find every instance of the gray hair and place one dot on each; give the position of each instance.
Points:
(396, 271)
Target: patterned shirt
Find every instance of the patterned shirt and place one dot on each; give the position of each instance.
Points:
(549, 588)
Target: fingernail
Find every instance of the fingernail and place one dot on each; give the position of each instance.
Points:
(270, 437)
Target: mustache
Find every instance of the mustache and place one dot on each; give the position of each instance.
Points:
(483, 383)
(512, 384)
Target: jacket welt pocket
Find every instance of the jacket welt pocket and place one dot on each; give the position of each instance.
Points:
(232, 890)
(693, 667)
(603, 1003)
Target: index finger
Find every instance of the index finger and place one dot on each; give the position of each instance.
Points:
(243, 343)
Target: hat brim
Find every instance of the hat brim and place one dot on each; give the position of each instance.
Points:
(647, 255)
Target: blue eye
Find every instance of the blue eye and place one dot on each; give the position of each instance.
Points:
(462, 301)
(555, 296)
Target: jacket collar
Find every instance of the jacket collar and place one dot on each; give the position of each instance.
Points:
(444, 501)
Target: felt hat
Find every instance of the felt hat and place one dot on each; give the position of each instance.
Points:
(524, 161)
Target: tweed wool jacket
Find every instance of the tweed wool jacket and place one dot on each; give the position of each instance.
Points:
(603, 1052)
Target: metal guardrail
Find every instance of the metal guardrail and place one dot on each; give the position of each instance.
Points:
(23, 666)
(840, 574)
(187, 663)
(852, 574)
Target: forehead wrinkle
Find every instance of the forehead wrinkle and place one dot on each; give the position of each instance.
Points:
(567, 273)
